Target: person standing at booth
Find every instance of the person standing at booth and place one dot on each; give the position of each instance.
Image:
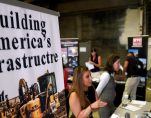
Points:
(106, 87)
(83, 99)
(133, 78)
(96, 61)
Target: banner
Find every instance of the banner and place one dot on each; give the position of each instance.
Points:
(29, 46)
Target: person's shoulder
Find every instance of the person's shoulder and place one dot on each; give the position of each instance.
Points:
(105, 73)
(127, 58)
(99, 56)
(73, 94)
(74, 97)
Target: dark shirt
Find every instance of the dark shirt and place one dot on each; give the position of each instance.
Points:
(132, 69)
(95, 69)
(91, 94)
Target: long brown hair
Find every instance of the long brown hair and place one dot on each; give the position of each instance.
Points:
(110, 61)
(78, 86)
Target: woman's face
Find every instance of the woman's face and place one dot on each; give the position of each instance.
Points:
(116, 65)
(87, 79)
(93, 53)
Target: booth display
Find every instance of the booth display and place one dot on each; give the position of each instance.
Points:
(70, 54)
(139, 46)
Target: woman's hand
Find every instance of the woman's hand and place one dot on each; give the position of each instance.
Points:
(91, 62)
(97, 104)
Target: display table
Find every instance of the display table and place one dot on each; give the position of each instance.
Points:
(135, 108)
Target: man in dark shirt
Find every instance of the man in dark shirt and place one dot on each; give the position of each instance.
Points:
(133, 78)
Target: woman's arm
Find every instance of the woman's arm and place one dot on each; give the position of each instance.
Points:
(99, 61)
(104, 79)
(125, 67)
(75, 106)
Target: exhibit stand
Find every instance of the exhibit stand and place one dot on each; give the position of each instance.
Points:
(70, 53)
(139, 46)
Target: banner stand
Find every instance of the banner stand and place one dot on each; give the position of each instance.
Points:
(30, 45)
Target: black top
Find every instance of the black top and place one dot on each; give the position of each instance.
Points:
(95, 69)
(91, 94)
(132, 69)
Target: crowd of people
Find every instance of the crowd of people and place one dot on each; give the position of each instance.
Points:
(84, 98)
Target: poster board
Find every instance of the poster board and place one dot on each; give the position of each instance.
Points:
(139, 46)
(29, 45)
(70, 54)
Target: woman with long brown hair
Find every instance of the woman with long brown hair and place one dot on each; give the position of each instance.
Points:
(83, 99)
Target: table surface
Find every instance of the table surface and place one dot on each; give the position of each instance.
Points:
(120, 111)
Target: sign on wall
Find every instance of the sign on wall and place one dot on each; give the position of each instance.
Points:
(29, 46)
(137, 42)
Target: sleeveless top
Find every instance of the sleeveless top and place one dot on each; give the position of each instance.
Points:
(95, 69)
(108, 93)
(90, 94)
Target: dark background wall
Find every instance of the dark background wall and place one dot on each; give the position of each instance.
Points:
(101, 28)
(98, 21)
